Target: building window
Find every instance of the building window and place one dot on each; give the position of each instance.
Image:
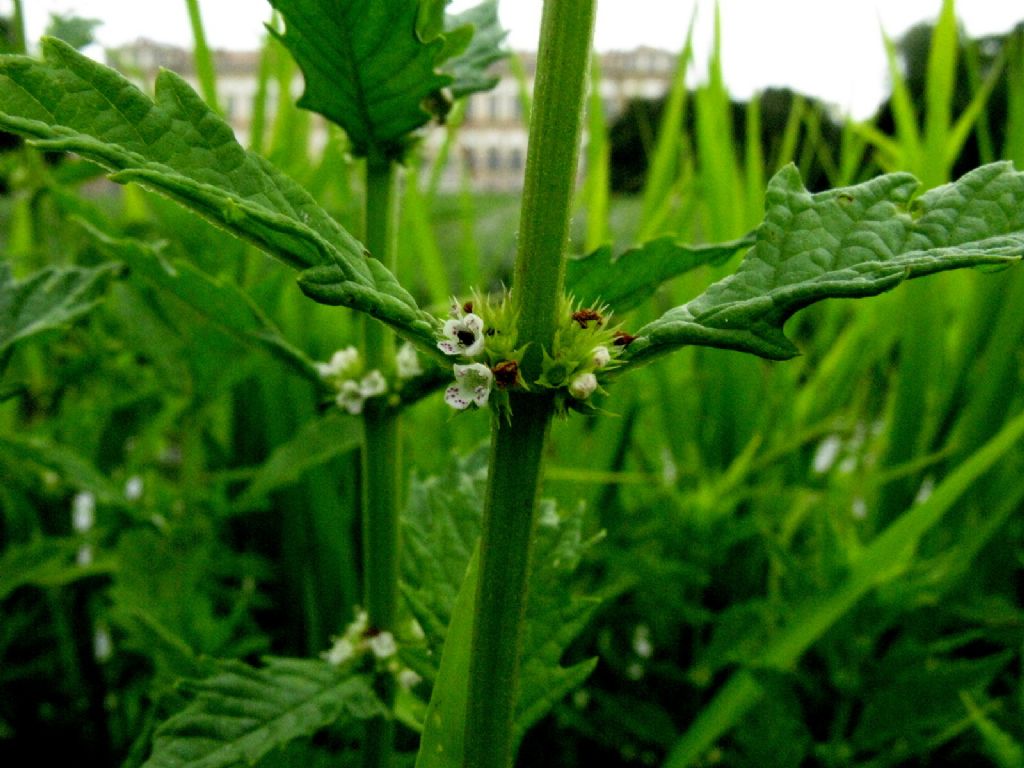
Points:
(469, 160)
(515, 159)
(493, 159)
(494, 107)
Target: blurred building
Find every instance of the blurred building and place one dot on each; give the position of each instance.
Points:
(488, 151)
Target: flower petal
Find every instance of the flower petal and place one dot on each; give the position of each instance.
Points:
(456, 398)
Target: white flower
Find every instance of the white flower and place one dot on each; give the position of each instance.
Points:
(583, 386)
(83, 511)
(642, 645)
(102, 644)
(343, 364)
(342, 650)
(600, 357)
(350, 397)
(407, 364)
(463, 336)
(133, 488)
(383, 645)
(472, 386)
(358, 625)
(408, 679)
(373, 384)
(353, 394)
(83, 556)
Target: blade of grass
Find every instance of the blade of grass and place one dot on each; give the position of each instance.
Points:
(419, 253)
(205, 70)
(975, 79)
(664, 167)
(1013, 148)
(754, 158)
(904, 114)
(940, 86)
(596, 186)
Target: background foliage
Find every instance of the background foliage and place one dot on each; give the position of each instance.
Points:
(750, 589)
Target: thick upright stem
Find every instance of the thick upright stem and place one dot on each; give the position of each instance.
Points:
(517, 448)
(380, 457)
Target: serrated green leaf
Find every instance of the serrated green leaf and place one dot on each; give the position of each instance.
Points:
(179, 147)
(845, 243)
(441, 530)
(315, 443)
(50, 299)
(469, 68)
(366, 67)
(624, 281)
(241, 713)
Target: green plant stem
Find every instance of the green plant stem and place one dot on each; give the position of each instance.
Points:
(380, 460)
(205, 70)
(517, 447)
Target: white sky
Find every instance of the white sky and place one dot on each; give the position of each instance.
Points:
(827, 48)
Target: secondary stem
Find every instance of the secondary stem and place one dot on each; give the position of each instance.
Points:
(517, 448)
(380, 460)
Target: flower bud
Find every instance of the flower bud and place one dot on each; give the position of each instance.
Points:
(583, 386)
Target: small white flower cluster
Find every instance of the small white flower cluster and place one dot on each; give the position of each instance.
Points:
(583, 385)
(464, 336)
(358, 640)
(354, 387)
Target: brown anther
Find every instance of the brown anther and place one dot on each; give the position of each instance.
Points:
(623, 339)
(468, 307)
(506, 373)
(584, 316)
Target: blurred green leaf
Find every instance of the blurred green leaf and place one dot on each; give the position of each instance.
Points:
(882, 560)
(914, 694)
(316, 443)
(242, 713)
(469, 69)
(26, 453)
(181, 148)
(47, 562)
(217, 301)
(50, 299)
(1006, 751)
(845, 243)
